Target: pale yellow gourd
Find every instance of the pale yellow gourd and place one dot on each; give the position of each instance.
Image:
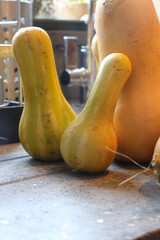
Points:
(94, 49)
(132, 27)
(46, 112)
(86, 142)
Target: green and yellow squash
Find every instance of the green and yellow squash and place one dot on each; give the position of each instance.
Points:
(86, 142)
(46, 112)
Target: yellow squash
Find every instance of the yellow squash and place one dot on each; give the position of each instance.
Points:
(86, 141)
(46, 113)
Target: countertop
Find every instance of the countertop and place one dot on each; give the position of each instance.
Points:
(50, 201)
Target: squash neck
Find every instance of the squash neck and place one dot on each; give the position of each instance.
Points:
(112, 75)
(41, 82)
(102, 101)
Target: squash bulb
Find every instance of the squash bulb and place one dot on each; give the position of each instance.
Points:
(46, 113)
(85, 141)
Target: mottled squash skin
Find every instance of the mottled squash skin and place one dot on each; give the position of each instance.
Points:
(46, 113)
(132, 27)
(85, 142)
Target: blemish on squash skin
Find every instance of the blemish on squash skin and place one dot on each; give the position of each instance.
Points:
(52, 152)
(47, 117)
(109, 6)
(143, 64)
(94, 128)
(42, 90)
(77, 162)
(73, 136)
(48, 141)
(29, 42)
(44, 53)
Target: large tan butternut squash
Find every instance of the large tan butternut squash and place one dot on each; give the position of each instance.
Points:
(132, 27)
